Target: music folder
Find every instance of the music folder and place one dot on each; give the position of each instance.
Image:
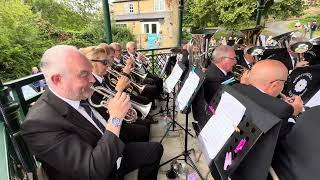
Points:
(304, 82)
(189, 89)
(252, 126)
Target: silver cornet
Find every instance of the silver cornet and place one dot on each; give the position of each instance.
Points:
(132, 115)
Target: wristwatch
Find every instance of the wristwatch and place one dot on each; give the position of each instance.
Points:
(116, 122)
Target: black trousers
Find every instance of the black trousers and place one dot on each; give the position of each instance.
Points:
(143, 156)
(158, 82)
(135, 132)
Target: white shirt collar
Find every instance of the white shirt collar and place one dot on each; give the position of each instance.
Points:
(223, 71)
(247, 61)
(99, 78)
(74, 104)
(116, 60)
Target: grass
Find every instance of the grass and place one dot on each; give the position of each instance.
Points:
(304, 21)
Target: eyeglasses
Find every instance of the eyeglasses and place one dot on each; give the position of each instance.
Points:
(284, 81)
(234, 58)
(104, 61)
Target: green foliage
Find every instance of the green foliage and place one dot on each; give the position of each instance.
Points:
(27, 30)
(235, 14)
(21, 45)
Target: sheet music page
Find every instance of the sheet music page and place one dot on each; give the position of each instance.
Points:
(314, 101)
(187, 90)
(221, 125)
(174, 77)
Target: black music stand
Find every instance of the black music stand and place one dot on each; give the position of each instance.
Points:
(185, 110)
(173, 122)
(252, 126)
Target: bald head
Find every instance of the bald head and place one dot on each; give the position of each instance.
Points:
(56, 59)
(267, 73)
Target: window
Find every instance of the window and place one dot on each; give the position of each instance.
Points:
(159, 5)
(129, 8)
(151, 27)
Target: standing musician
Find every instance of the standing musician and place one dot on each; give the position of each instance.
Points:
(139, 58)
(294, 57)
(98, 56)
(266, 79)
(224, 58)
(71, 139)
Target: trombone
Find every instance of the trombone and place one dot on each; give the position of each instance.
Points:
(113, 80)
(131, 115)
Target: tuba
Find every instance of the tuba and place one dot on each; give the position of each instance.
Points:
(133, 88)
(132, 114)
(198, 48)
(251, 35)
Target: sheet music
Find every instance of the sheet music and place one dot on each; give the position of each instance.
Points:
(314, 101)
(187, 90)
(221, 125)
(174, 77)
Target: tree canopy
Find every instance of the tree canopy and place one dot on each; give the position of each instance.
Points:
(236, 14)
(27, 29)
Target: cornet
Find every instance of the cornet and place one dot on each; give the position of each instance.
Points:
(132, 86)
(141, 76)
(136, 63)
(132, 114)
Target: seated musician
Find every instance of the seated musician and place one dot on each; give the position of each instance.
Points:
(130, 132)
(247, 60)
(294, 57)
(139, 58)
(71, 139)
(266, 79)
(224, 58)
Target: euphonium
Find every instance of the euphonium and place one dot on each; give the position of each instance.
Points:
(237, 72)
(301, 48)
(132, 85)
(132, 113)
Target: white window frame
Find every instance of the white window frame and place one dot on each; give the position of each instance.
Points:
(150, 27)
(158, 6)
(127, 9)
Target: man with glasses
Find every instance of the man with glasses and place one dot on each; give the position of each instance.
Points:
(266, 80)
(224, 58)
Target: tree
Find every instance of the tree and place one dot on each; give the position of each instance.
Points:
(235, 14)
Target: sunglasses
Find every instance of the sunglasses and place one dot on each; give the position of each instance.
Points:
(104, 62)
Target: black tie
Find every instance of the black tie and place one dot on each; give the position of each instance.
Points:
(88, 110)
(249, 66)
(105, 84)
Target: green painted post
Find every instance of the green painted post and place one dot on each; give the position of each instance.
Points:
(107, 22)
(260, 10)
(10, 109)
(181, 6)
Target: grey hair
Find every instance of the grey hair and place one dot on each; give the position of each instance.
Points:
(130, 43)
(115, 44)
(221, 52)
(53, 60)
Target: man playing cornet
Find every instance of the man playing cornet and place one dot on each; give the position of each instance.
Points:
(71, 139)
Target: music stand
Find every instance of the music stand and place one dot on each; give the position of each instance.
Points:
(185, 108)
(252, 127)
(170, 87)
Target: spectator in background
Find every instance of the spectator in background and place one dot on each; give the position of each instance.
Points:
(306, 29)
(313, 28)
(41, 84)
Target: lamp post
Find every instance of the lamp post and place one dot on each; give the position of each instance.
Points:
(261, 4)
